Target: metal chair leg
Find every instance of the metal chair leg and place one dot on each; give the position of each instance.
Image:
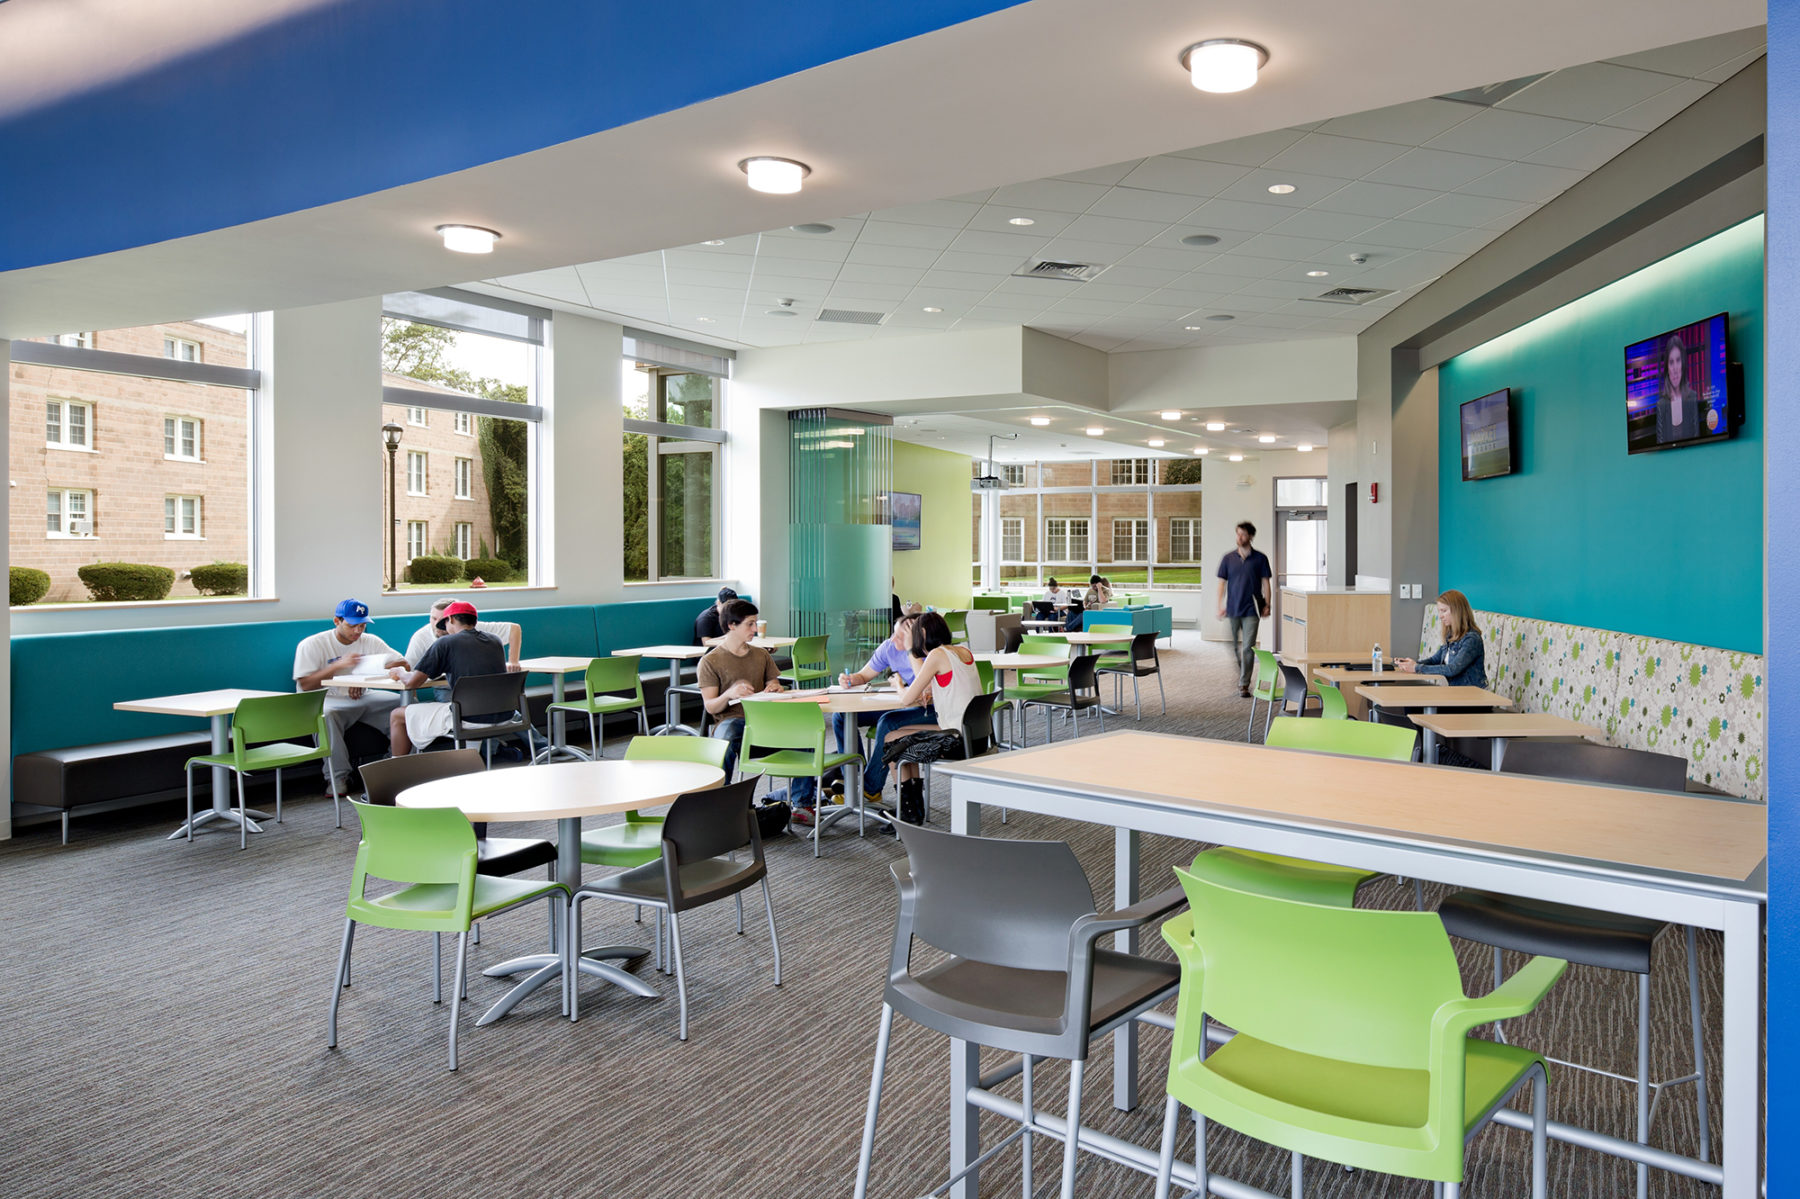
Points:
(190, 818)
(1160, 692)
(1540, 1134)
(774, 941)
(572, 924)
(680, 975)
(278, 795)
(342, 980)
(1073, 1137)
(462, 971)
(1026, 1188)
(874, 1109)
(1693, 965)
(337, 814)
(243, 814)
(437, 967)
(1165, 1163)
(1297, 1174)
(1643, 1080)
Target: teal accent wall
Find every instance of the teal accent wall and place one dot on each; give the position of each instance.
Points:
(1667, 544)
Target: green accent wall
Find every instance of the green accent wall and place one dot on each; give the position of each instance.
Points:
(1667, 544)
(940, 572)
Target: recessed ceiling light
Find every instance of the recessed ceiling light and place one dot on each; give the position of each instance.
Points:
(1200, 239)
(704, 320)
(1221, 316)
(1156, 443)
(813, 227)
(1304, 447)
(1200, 450)
(1192, 328)
(1267, 439)
(1237, 457)
(1094, 430)
(929, 308)
(1021, 220)
(468, 239)
(1171, 415)
(1224, 64)
(1275, 189)
(1215, 426)
(1317, 274)
(717, 241)
(1040, 421)
(777, 176)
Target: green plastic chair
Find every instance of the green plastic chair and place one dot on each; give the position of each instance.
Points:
(1046, 680)
(794, 734)
(989, 603)
(958, 623)
(639, 840)
(1113, 661)
(1351, 1040)
(1355, 738)
(432, 851)
(607, 679)
(812, 662)
(1331, 701)
(260, 728)
(1266, 687)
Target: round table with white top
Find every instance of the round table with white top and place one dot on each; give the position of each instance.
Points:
(564, 792)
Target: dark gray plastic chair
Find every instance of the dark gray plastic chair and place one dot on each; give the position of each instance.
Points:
(1140, 661)
(1082, 695)
(700, 835)
(1295, 692)
(977, 733)
(1590, 763)
(485, 694)
(1026, 973)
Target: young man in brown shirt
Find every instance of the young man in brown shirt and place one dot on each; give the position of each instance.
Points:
(733, 669)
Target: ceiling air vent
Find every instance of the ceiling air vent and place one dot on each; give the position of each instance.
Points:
(845, 316)
(1352, 295)
(1069, 272)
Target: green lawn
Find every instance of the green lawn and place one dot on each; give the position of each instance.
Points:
(459, 586)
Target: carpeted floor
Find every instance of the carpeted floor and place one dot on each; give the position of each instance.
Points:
(165, 1034)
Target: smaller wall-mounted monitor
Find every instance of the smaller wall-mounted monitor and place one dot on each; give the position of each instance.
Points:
(1487, 440)
(1679, 388)
(906, 507)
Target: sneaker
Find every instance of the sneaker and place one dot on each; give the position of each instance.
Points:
(871, 797)
(834, 787)
(1243, 693)
(802, 817)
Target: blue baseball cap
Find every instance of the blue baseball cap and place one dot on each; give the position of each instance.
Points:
(352, 611)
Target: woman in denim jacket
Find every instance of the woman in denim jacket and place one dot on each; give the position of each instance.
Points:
(1460, 660)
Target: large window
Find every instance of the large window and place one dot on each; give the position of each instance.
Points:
(1013, 475)
(1131, 472)
(1012, 538)
(1184, 539)
(672, 396)
(1131, 541)
(1066, 540)
(161, 420)
(458, 365)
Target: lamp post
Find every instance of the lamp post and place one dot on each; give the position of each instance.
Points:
(390, 433)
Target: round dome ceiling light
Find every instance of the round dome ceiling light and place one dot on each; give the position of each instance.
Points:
(1221, 316)
(1304, 447)
(1317, 274)
(716, 241)
(1278, 189)
(1200, 239)
(468, 239)
(1094, 430)
(1040, 421)
(930, 308)
(777, 176)
(1224, 64)
(1171, 415)
(813, 226)
(1156, 443)
(1237, 457)
(1021, 220)
(1215, 426)
(1200, 450)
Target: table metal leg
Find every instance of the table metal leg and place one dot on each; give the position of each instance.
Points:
(221, 788)
(1499, 752)
(965, 1056)
(559, 726)
(672, 706)
(547, 966)
(1740, 1073)
(1126, 854)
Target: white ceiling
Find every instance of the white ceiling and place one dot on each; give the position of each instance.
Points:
(1125, 434)
(1030, 92)
(1413, 188)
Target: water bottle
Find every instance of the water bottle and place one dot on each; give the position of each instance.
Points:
(1375, 659)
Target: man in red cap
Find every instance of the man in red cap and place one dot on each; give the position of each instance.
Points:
(463, 650)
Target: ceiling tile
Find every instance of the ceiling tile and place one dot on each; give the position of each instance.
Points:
(688, 260)
(1158, 312)
(1333, 156)
(951, 214)
(1137, 204)
(1407, 234)
(1014, 246)
(842, 229)
(1724, 71)
(988, 264)
(1104, 288)
(1057, 195)
(1184, 176)
(1510, 219)
(1657, 110)
(1238, 302)
(1440, 170)
(1068, 249)
(942, 276)
(1525, 181)
(1411, 124)
(979, 197)
(1240, 266)
(1085, 307)
(1500, 134)
(852, 290)
(894, 233)
(1695, 58)
(1140, 276)
(1246, 151)
(736, 279)
(1588, 149)
(1376, 199)
(692, 295)
(1106, 175)
(1215, 215)
(798, 268)
(1308, 188)
(1115, 230)
(998, 218)
(1159, 258)
(561, 283)
(1316, 222)
(879, 255)
(1288, 249)
(1466, 241)
(1466, 211)
(1589, 93)
(1284, 289)
(861, 273)
(816, 249)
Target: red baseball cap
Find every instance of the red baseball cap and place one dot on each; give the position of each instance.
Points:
(459, 608)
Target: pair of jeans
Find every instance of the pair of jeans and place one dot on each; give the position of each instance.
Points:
(874, 775)
(731, 731)
(1243, 640)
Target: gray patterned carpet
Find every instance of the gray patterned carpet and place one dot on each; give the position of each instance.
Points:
(165, 1035)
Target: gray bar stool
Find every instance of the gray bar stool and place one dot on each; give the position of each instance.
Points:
(1025, 973)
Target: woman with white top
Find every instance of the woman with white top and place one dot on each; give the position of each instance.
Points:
(947, 672)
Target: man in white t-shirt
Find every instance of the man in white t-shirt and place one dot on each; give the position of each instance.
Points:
(347, 647)
(504, 632)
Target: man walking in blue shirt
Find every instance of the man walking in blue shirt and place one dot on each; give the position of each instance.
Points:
(1244, 599)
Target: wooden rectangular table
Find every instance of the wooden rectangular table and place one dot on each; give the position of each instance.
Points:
(1408, 698)
(1345, 679)
(1664, 856)
(1325, 657)
(217, 707)
(1502, 726)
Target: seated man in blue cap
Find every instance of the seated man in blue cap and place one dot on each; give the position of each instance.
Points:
(346, 648)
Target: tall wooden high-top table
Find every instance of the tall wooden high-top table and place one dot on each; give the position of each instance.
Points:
(217, 707)
(1402, 697)
(1501, 727)
(1685, 859)
(563, 792)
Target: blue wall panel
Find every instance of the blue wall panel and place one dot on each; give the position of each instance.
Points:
(359, 96)
(1666, 544)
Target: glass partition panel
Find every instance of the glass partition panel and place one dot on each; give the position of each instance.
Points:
(840, 529)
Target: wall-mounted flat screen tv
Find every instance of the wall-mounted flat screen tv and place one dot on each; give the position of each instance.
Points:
(1487, 441)
(1679, 388)
(906, 507)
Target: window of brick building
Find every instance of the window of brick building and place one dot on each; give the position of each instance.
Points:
(465, 539)
(1184, 539)
(415, 473)
(416, 415)
(1131, 541)
(68, 512)
(1066, 540)
(1132, 472)
(67, 424)
(181, 349)
(416, 544)
(673, 395)
(181, 516)
(181, 438)
(465, 480)
(465, 424)
(1012, 538)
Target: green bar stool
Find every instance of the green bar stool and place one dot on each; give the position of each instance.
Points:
(613, 685)
(1352, 1037)
(258, 722)
(812, 662)
(793, 733)
(432, 851)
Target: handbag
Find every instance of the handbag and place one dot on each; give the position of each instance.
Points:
(772, 818)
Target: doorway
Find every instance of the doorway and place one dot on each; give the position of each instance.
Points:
(1301, 526)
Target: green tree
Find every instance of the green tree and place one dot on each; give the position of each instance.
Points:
(1177, 471)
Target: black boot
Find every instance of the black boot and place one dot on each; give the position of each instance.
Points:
(912, 801)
